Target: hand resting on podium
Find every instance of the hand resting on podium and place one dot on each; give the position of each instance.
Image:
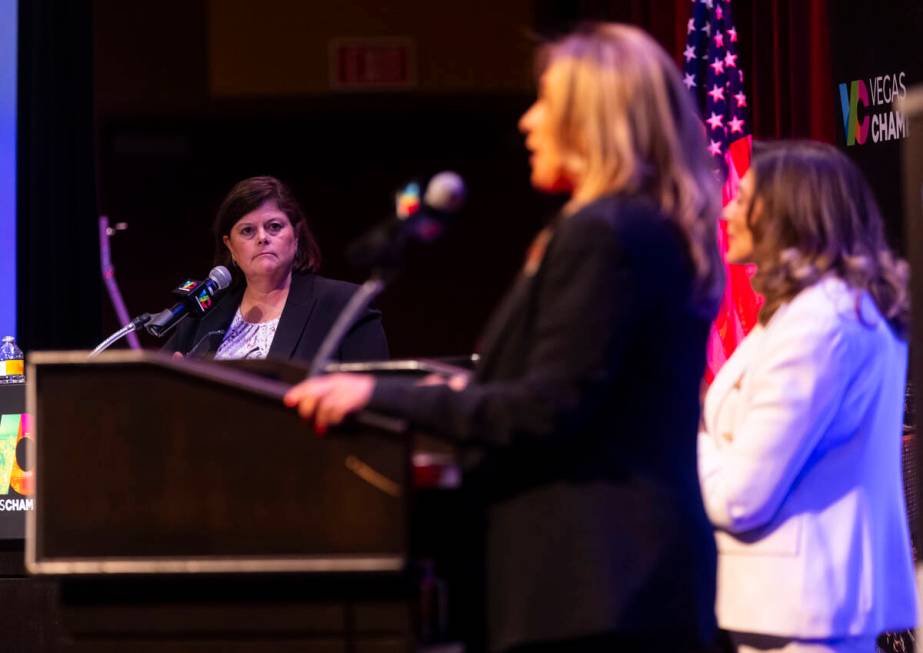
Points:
(329, 399)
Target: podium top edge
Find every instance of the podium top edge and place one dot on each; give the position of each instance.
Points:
(205, 369)
(83, 356)
(422, 365)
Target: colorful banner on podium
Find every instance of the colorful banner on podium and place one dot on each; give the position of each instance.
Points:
(17, 480)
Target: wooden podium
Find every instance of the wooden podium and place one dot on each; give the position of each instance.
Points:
(181, 507)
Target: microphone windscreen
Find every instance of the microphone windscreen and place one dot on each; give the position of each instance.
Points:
(445, 192)
(221, 276)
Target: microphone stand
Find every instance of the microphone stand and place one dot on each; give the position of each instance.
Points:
(364, 295)
(384, 249)
(131, 327)
(356, 306)
(105, 233)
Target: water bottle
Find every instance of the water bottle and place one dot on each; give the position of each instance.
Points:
(11, 362)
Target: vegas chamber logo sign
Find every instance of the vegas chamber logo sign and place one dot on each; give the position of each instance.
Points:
(867, 107)
(17, 481)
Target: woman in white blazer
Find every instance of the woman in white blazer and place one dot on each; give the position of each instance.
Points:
(799, 454)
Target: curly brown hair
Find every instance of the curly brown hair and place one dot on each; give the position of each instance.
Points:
(812, 213)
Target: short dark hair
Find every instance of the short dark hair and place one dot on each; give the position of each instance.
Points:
(248, 195)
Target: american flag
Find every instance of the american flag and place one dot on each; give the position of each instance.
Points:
(712, 73)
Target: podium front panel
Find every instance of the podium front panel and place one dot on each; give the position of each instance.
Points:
(148, 464)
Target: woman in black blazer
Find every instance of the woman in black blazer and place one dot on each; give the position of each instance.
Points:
(584, 407)
(277, 307)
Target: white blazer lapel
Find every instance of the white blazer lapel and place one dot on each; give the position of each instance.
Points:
(728, 379)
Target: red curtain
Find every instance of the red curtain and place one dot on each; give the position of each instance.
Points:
(784, 47)
(664, 19)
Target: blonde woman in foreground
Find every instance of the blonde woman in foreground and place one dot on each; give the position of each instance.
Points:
(584, 407)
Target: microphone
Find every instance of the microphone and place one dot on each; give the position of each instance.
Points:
(131, 327)
(205, 342)
(414, 222)
(197, 298)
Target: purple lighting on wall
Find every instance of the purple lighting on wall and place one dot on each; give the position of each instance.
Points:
(8, 58)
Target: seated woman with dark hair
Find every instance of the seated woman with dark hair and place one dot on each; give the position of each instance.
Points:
(800, 455)
(277, 306)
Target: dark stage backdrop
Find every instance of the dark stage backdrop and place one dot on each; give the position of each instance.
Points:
(876, 57)
(172, 136)
(344, 161)
(58, 293)
(181, 121)
(785, 49)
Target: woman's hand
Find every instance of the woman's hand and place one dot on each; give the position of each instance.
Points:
(329, 399)
(457, 382)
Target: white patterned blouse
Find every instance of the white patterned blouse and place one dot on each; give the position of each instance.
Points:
(247, 339)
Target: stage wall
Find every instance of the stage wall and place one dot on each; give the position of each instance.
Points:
(876, 57)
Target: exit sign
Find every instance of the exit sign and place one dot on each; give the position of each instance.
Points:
(372, 64)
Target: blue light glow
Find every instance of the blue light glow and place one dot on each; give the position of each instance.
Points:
(8, 58)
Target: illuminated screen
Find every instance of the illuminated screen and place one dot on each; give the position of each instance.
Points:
(8, 55)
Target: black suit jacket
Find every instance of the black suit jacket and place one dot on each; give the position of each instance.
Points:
(313, 304)
(584, 411)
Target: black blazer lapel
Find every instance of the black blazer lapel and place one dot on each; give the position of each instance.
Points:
(295, 316)
(498, 328)
(510, 318)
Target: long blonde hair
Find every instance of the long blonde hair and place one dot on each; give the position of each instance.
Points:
(812, 213)
(627, 124)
